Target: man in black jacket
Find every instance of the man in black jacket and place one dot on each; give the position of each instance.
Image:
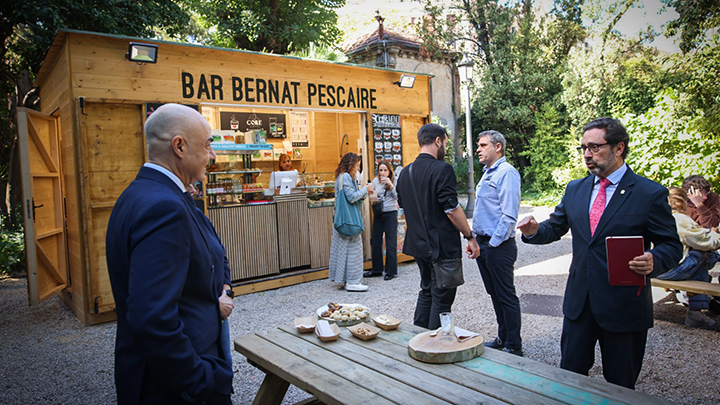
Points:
(444, 217)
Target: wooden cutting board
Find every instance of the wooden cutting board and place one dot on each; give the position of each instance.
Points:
(444, 349)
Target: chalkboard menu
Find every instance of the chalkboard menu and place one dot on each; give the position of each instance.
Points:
(387, 140)
(273, 124)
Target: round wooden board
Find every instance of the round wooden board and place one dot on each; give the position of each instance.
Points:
(444, 349)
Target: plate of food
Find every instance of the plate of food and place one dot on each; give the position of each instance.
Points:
(344, 314)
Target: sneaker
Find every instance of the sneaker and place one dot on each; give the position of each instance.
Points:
(517, 352)
(697, 319)
(497, 343)
(356, 287)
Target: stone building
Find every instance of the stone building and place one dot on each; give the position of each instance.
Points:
(396, 49)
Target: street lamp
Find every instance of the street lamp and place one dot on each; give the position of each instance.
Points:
(465, 70)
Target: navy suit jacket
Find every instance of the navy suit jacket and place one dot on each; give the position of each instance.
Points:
(167, 267)
(638, 207)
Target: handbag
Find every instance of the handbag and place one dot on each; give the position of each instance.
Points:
(377, 204)
(348, 219)
(448, 272)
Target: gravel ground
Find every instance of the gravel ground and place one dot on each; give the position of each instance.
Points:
(48, 357)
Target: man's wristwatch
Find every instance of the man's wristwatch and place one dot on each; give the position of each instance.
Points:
(230, 293)
(469, 237)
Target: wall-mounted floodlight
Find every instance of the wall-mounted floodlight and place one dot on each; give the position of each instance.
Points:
(406, 81)
(142, 53)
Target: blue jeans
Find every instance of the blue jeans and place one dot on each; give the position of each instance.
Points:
(694, 267)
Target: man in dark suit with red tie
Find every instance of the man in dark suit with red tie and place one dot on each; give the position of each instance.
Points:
(611, 201)
(169, 274)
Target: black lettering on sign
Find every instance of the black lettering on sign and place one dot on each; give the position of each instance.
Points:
(273, 91)
(295, 88)
(341, 98)
(351, 99)
(365, 102)
(187, 85)
(216, 84)
(249, 89)
(331, 95)
(321, 94)
(237, 85)
(261, 87)
(203, 88)
(286, 93)
(372, 99)
(312, 91)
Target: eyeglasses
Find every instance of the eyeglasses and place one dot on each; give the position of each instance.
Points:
(594, 147)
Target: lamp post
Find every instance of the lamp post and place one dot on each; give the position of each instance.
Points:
(465, 70)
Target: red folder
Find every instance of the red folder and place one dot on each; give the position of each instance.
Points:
(620, 251)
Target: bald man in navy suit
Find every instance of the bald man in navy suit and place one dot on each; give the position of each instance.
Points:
(618, 317)
(169, 273)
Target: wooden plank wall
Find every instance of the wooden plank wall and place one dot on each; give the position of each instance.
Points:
(113, 145)
(293, 237)
(250, 236)
(321, 219)
(410, 127)
(101, 71)
(56, 93)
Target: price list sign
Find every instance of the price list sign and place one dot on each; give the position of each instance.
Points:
(387, 140)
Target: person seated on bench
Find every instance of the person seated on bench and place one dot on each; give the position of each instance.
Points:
(703, 204)
(694, 265)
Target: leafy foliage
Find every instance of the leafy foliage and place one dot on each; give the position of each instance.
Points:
(664, 147)
(547, 149)
(697, 19)
(519, 60)
(269, 25)
(12, 248)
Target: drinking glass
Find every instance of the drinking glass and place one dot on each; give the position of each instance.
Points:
(446, 323)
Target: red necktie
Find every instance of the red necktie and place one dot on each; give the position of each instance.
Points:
(598, 205)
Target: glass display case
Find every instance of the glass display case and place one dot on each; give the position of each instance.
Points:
(231, 178)
(319, 188)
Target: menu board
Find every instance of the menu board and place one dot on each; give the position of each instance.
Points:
(272, 124)
(299, 129)
(387, 140)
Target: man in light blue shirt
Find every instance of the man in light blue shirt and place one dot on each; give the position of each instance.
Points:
(496, 212)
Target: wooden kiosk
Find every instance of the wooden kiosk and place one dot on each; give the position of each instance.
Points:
(86, 144)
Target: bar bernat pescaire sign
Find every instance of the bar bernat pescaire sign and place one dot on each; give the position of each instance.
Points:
(274, 91)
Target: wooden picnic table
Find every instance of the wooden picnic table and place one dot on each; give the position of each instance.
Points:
(380, 371)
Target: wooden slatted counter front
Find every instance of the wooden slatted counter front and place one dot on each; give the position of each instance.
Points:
(380, 371)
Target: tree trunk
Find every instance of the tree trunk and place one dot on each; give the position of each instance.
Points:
(14, 184)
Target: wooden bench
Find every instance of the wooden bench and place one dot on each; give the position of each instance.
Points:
(697, 287)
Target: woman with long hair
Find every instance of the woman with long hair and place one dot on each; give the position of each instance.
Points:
(346, 252)
(699, 244)
(385, 223)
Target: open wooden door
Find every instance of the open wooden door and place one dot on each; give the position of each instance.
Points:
(43, 208)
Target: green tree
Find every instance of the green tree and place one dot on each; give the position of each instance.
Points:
(271, 25)
(547, 149)
(519, 59)
(26, 31)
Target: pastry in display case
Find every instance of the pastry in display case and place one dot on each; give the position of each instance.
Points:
(319, 188)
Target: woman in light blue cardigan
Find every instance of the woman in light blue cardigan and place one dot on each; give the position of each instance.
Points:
(346, 252)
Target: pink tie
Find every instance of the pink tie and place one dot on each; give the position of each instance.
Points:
(598, 205)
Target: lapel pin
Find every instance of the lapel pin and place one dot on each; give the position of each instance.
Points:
(622, 191)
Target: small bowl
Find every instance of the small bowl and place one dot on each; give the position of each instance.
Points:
(372, 331)
(306, 325)
(387, 322)
(327, 332)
